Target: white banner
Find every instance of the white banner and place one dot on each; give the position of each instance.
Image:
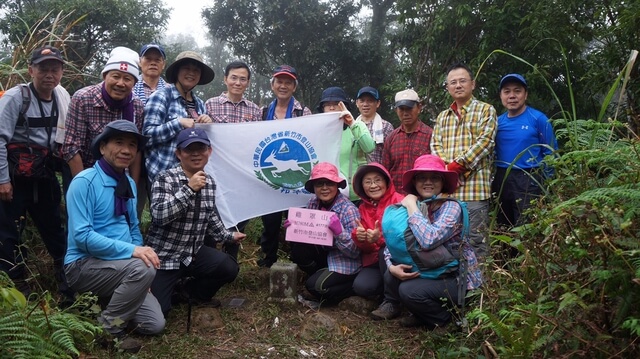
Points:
(261, 167)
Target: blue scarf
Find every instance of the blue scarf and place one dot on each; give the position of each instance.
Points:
(123, 190)
(271, 114)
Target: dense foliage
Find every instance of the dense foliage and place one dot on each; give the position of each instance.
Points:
(574, 288)
(91, 28)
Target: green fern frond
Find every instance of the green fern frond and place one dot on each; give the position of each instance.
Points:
(623, 195)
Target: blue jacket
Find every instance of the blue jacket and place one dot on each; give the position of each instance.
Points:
(94, 230)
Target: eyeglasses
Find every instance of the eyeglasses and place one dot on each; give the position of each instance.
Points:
(242, 80)
(322, 183)
(330, 104)
(196, 148)
(433, 178)
(377, 182)
(455, 83)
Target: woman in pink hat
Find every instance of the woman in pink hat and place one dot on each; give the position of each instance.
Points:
(373, 184)
(331, 269)
(428, 293)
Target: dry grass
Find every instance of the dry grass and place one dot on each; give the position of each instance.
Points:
(249, 330)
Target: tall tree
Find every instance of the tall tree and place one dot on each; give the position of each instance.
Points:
(596, 38)
(316, 37)
(103, 25)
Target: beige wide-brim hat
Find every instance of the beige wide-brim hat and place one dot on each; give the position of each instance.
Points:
(206, 72)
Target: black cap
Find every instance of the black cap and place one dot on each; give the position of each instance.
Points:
(113, 128)
(45, 53)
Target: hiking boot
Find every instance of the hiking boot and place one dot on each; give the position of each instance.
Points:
(121, 342)
(386, 311)
(129, 345)
(410, 321)
(265, 263)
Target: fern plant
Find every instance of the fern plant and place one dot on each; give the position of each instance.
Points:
(37, 329)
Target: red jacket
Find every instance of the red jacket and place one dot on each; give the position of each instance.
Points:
(371, 212)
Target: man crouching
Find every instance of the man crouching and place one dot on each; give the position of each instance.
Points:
(183, 210)
(105, 254)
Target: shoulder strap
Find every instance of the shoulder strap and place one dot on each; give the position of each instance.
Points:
(26, 102)
(465, 213)
(265, 110)
(26, 99)
(462, 272)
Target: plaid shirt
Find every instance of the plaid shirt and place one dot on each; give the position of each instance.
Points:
(442, 230)
(344, 257)
(401, 149)
(468, 140)
(163, 112)
(144, 91)
(387, 128)
(88, 115)
(175, 233)
(222, 110)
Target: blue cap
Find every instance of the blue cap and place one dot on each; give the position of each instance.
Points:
(513, 78)
(368, 90)
(192, 135)
(147, 47)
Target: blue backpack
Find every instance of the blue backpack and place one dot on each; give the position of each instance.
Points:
(405, 249)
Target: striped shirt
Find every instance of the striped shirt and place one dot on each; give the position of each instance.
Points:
(468, 140)
(144, 91)
(222, 110)
(387, 128)
(163, 112)
(344, 257)
(175, 233)
(401, 150)
(87, 117)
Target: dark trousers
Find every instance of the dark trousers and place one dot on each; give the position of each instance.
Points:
(330, 286)
(270, 238)
(430, 300)
(41, 200)
(211, 269)
(516, 190)
(309, 258)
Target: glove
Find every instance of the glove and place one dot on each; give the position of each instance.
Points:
(456, 167)
(286, 223)
(334, 225)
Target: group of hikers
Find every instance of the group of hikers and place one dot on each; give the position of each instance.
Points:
(411, 233)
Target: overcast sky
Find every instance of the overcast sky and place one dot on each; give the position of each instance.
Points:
(186, 18)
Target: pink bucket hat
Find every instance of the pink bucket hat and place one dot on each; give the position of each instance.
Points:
(430, 163)
(325, 170)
